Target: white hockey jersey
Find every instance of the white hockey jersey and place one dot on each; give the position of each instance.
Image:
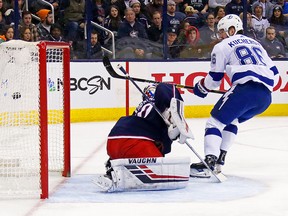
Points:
(243, 59)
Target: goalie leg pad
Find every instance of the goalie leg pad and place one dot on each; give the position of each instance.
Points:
(140, 174)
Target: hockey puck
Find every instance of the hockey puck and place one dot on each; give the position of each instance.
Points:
(16, 95)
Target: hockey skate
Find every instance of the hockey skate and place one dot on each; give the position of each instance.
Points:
(199, 170)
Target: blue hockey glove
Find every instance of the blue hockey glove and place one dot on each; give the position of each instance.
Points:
(200, 90)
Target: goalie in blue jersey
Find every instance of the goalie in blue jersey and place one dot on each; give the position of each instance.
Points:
(253, 76)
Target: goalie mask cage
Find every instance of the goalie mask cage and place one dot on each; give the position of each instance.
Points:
(34, 116)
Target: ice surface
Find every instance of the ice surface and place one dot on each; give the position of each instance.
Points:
(256, 169)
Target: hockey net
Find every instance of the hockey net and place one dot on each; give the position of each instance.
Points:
(34, 116)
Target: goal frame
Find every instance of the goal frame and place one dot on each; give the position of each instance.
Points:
(43, 98)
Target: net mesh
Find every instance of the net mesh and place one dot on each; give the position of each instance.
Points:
(19, 116)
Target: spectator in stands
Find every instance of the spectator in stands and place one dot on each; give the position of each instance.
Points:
(8, 32)
(213, 4)
(155, 30)
(44, 26)
(2, 39)
(26, 21)
(259, 23)
(25, 34)
(267, 7)
(272, 45)
(200, 6)
(250, 31)
(155, 5)
(56, 33)
(284, 5)
(112, 22)
(10, 13)
(130, 27)
(174, 18)
(136, 6)
(74, 20)
(235, 7)
(173, 45)
(184, 26)
(131, 35)
(194, 17)
(280, 22)
(98, 11)
(219, 13)
(194, 45)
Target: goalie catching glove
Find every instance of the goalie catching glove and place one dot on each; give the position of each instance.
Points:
(200, 90)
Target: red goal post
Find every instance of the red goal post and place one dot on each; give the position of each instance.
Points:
(34, 116)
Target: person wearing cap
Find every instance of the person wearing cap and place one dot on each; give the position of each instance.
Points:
(174, 18)
(259, 22)
(174, 49)
(193, 17)
(136, 6)
(266, 5)
(44, 26)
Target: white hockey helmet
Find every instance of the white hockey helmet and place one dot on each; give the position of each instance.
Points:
(228, 21)
(149, 91)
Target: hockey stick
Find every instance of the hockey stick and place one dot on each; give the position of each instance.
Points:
(112, 72)
(220, 177)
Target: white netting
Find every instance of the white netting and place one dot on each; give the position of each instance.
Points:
(19, 116)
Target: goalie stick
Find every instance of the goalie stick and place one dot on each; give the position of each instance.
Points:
(112, 72)
(219, 176)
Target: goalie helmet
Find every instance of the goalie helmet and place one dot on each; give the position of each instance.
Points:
(149, 91)
(228, 21)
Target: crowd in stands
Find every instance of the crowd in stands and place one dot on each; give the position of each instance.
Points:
(138, 25)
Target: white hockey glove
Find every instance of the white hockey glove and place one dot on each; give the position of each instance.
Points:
(173, 132)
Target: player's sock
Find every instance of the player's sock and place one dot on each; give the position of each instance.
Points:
(199, 170)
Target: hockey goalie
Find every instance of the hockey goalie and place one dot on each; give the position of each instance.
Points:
(137, 145)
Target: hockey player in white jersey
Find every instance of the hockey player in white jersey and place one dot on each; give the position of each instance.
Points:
(253, 76)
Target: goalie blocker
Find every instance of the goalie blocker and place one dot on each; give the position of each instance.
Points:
(140, 174)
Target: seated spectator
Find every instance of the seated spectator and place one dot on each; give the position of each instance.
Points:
(250, 31)
(155, 30)
(56, 33)
(152, 6)
(172, 43)
(10, 14)
(174, 18)
(280, 22)
(184, 27)
(74, 20)
(272, 45)
(130, 43)
(44, 26)
(194, 17)
(8, 32)
(112, 21)
(194, 45)
(130, 27)
(266, 5)
(26, 21)
(136, 6)
(235, 7)
(219, 13)
(2, 39)
(284, 5)
(259, 23)
(25, 34)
